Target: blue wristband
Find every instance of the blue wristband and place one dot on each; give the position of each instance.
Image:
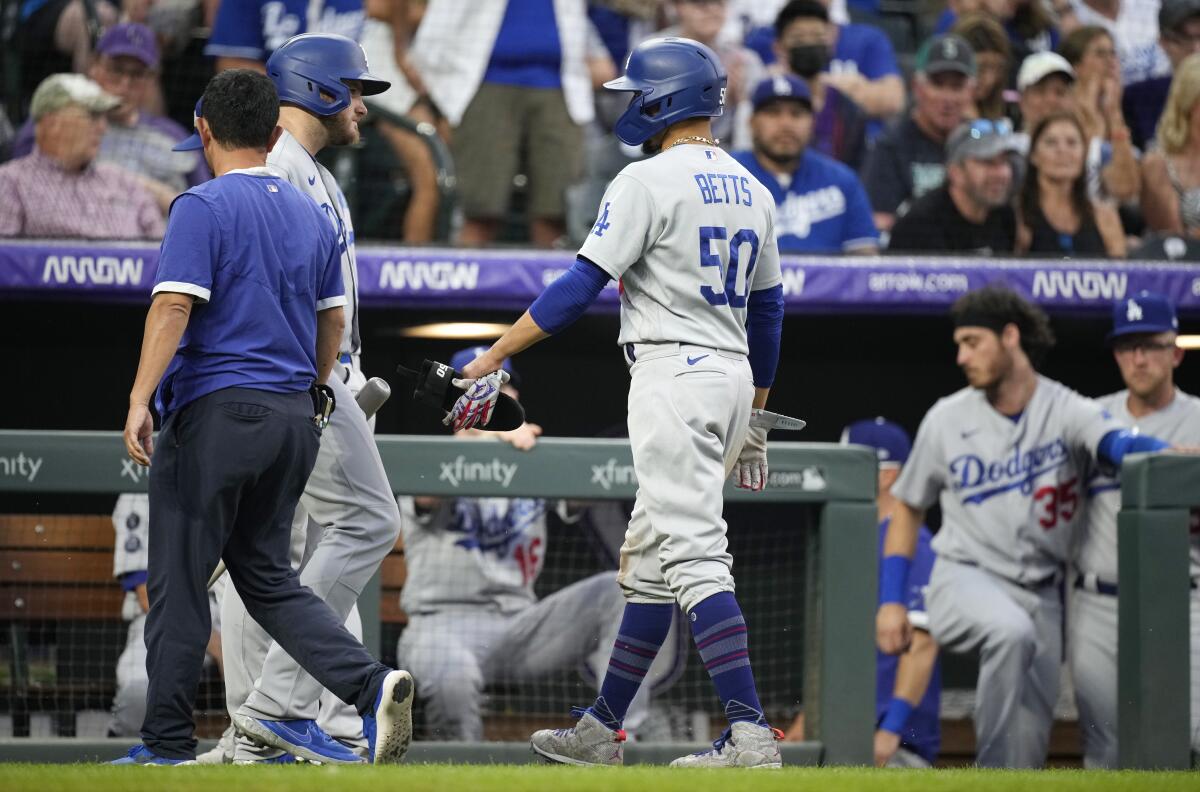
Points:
(896, 716)
(894, 580)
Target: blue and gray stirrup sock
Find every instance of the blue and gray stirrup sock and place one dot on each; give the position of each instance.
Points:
(644, 627)
(720, 634)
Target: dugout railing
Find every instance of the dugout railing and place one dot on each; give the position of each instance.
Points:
(837, 643)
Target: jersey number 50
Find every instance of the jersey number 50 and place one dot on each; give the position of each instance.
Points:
(710, 258)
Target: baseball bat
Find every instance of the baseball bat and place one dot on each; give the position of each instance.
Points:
(369, 399)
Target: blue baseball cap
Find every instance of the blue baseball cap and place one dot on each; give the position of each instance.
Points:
(891, 443)
(781, 86)
(192, 142)
(1145, 312)
(132, 40)
(464, 356)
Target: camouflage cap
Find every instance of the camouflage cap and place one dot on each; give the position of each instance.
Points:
(63, 90)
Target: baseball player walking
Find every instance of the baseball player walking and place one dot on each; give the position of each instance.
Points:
(237, 384)
(690, 235)
(1143, 345)
(1007, 456)
(347, 510)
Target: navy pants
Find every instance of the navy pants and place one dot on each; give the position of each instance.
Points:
(224, 481)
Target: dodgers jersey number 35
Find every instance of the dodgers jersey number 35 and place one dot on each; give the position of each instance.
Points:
(689, 233)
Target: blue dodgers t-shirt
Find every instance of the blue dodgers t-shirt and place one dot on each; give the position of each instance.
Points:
(527, 51)
(253, 29)
(261, 259)
(869, 52)
(923, 734)
(824, 209)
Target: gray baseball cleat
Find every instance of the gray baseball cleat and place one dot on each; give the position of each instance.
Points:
(744, 744)
(589, 742)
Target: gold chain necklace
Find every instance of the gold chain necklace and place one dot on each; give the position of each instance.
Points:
(691, 139)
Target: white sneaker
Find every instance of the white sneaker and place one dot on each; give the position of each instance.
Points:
(744, 744)
(222, 752)
(589, 742)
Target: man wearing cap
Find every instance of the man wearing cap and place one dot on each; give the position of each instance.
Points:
(125, 66)
(908, 687)
(1133, 25)
(822, 207)
(1179, 36)
(908, 160)
(474, 618)
(59, 189)
(972, 211)
(1143, 341)
(1046, 82)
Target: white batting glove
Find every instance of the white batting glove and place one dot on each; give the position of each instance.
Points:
(750, 470)
(474, 408)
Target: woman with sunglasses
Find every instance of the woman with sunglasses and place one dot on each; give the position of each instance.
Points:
(1056, 216)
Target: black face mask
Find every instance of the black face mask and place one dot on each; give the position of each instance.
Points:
(808, 60)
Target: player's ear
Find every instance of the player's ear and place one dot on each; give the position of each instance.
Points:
(205, 132)
(275, 133)
(1010, 336)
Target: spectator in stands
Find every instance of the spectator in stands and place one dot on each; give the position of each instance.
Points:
(822, 207)
(971, 212)
(54, 36)
(474, 618)
(246, 32)
(909, 159)
(993, 63)
(1171, 173)
(59, 190)
(1057, 216)
(1134, 28)
(858, 61)
(131, 519)
(1179, 36)
(127, 59)
(511, 78)
(702, 20)
(802, 34)
(1029, 24)
(1113, 169)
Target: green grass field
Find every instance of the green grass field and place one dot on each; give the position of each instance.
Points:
(446, 778)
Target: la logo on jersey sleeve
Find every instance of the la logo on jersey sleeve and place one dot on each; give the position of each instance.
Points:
(602, 223)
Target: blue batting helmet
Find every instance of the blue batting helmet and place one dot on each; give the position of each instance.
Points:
(671, 79)
(310, 64)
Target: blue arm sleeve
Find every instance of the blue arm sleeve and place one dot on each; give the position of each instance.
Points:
(569, 296)
(764, 325)
(1119, 442)
(131, 580)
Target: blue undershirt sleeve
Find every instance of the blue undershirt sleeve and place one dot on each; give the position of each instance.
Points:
(569, 296)
(764, 326)
(1119, 442)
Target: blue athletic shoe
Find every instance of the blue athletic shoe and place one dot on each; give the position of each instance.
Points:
(300, 738)
(141, 755)
(283, 758)
(388, 728)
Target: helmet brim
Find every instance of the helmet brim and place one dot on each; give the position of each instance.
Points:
(371, 85)
(623, 83)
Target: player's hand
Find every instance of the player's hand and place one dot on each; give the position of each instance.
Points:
(474, 407)
(484, 364)
(886, 745)
(750, 470)
(139, 434)
(892, 630)
(524, 437)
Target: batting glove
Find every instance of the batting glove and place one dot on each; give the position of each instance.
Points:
(474, 407)
(750, 470)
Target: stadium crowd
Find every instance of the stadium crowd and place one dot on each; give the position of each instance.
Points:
(1053, 129)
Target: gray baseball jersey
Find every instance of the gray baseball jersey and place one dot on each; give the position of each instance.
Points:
(688, 233)
(1179, 424)
(473, 551)
(312, 178)
(131, 522)
(1010, 489)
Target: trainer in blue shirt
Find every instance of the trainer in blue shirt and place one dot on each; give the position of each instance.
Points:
(246, 316)
(246, 32)
(822, 206)
(908, 686)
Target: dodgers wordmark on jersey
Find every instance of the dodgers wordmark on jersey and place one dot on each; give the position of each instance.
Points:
(1011, 490)
(1179, 424)
(294, 163)
(689, 233)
